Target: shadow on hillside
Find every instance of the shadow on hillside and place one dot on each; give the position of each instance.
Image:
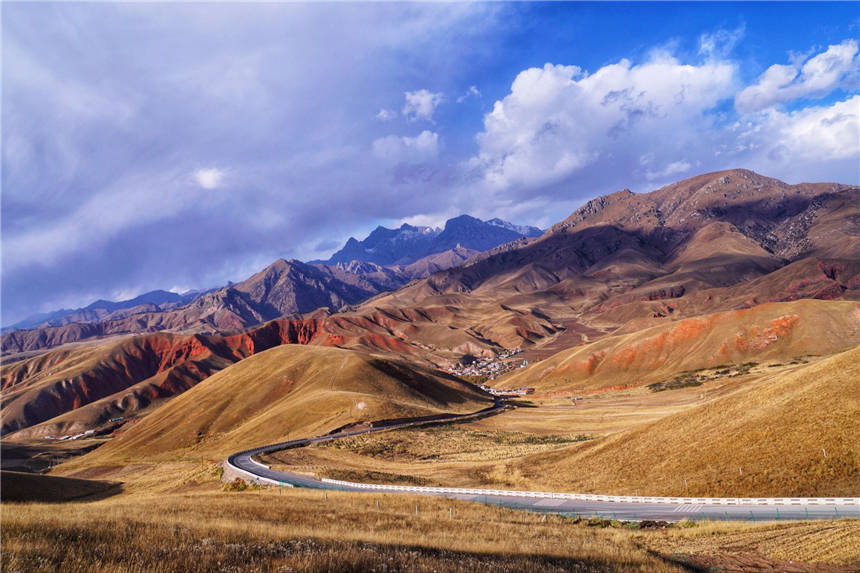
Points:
(24, 487)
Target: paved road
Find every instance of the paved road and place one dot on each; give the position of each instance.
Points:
(625, 508)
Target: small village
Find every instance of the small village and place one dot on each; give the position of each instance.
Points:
(488, 369)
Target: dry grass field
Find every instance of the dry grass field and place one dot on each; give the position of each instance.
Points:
(169, 523)
(19, 486)
(447, 455)
(179, 517)
(785, 434)
(771, 430)
(289, 390)
(174, 514)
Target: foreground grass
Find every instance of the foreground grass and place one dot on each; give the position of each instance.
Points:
(179, 517)
(207, 529)
(833, 542)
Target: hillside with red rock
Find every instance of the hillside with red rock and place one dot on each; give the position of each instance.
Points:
(284, 288)
(70, 390)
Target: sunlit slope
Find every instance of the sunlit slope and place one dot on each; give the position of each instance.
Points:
(765, 332)
(287, 391)
(795, 434)
(74, 389)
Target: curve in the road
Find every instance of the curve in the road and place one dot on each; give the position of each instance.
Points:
(633, 508)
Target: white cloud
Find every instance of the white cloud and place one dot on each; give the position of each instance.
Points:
(558, 120)
(135, 201)
(674, 168)
(813, 134)
(385, 115)
(423, 147)
(421, 104)
(209, 178)
(720, 43)
(471, 92)
(819, 76)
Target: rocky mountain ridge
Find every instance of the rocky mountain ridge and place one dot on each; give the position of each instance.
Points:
(407, 244)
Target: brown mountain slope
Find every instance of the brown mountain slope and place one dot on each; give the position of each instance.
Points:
(284, 288)
(792, 434)
(621, 264)
(644, 256)
(70, 390)
(127, 375)
(438, 262)
(298, 390)
(774, 331)
(737, 223)
(712, 243)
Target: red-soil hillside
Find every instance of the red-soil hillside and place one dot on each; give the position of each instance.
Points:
(645, 256)
(71, 390)
(679, 277)
(282, 288)
(712, 243)
(774, 331)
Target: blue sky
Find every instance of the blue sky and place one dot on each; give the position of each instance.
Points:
(178, 146)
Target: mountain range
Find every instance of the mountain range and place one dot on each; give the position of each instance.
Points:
(408, 243)
(720, 268)
(156, 300)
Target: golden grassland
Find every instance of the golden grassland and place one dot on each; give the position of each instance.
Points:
(458, 455)
(756, 434)
(19, 486)
(179, 517)
(454, 442)
(794, 434)
(173, 514)
(445, 455)
(836, 542)
(287, 391)
(469, 454)
(192, 524)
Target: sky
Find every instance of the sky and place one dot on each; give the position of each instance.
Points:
(180, 146)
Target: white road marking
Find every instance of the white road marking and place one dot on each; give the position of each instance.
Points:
(549, 503)
(687, 508)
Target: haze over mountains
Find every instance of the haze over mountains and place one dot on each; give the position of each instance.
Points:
(353, 274)
(105, 309)
(628, 284)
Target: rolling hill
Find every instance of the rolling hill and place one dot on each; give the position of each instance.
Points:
(73, 389)
(303, 390)
(773, 331)
(786, 435)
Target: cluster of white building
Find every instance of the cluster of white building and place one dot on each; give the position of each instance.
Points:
(511, 393)
(71, 437)
(491, 367)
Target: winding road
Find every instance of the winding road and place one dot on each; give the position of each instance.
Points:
(625, 508)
